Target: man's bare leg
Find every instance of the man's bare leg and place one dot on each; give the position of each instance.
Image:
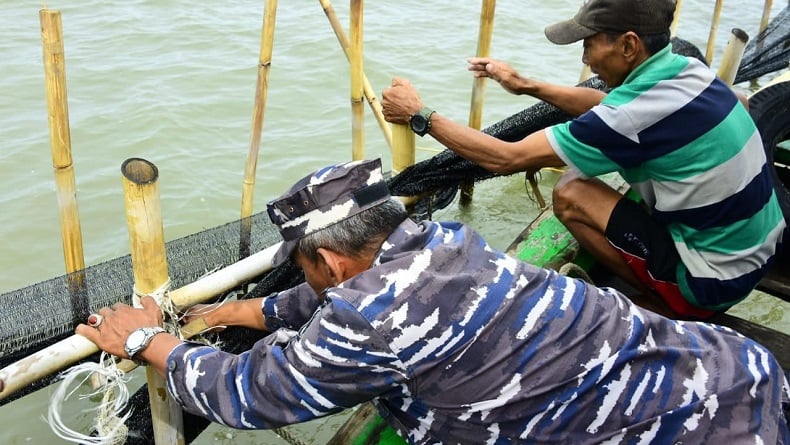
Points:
(584, 206)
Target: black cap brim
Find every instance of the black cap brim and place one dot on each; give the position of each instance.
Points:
(569, 31)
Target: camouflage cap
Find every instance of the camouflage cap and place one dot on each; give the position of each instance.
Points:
(326, 197)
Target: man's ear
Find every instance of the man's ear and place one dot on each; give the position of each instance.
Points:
(334, 264)
(631, 45)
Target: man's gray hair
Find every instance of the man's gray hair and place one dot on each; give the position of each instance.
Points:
(356, 235)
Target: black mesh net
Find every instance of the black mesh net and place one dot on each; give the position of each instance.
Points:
(769, 51)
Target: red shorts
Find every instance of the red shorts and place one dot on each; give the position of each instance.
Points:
(650, 252)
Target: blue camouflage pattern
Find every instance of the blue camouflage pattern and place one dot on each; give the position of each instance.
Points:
(458, 343)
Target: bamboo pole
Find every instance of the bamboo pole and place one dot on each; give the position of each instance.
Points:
(585, 74)
(403, 147)
(60, 139)
(674, 27)
(368, 90)
(733, 54)
(261, 91)
(484, 36)
(149, 264)
(357, 108)
(714, 26)
(72, 349)
(766, 15)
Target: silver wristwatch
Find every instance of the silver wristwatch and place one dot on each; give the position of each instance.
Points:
(139, 339)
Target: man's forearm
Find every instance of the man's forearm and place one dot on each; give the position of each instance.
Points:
(493, 154)
(572, 100)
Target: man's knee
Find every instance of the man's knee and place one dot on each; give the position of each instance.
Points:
(568, 190)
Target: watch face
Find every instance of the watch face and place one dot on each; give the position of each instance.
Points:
(418, 123)
(135, 339)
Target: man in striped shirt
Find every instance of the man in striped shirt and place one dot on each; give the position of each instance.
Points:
(709, 225)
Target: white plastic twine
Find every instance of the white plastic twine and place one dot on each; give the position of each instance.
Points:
(110, 416)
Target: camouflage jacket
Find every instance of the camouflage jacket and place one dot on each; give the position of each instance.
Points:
(458, 343)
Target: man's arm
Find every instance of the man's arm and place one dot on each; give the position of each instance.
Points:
(401, 101)
(247, 313)
(572, 100)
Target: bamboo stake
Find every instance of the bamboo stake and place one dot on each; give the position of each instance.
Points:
(674, 27)
(403, 147)
(149, 263)
(368, 90)
(733, 54)
(60, 138)
(479, 87)
(766, 15)
(357, 110)
(261, 91)
(585, 74)
(713, 29)
(72, 349)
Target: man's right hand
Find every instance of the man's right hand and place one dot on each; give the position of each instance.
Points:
(500, 71)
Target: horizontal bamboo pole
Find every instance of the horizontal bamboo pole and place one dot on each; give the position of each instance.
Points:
(75, 348)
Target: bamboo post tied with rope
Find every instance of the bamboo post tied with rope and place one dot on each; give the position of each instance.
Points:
(261, 92)
(369, 92)
(70, 350)
(149, 264)
(357, 107)
(60, 139)
(484, 37)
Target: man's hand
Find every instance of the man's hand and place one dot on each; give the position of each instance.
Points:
(118, 322)
(400, 101)
(500, 71)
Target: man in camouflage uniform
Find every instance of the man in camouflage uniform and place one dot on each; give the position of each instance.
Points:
(454, 341)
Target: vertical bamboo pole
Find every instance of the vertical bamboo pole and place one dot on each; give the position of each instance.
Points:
(714, 26)
(357, 107)
(479, 87)
(766, 15)
(733, 54)
(149, 264)
(261, 91)
(403, 147)
(674, 27)
(370, 94)
(585, 74)
(60, 138)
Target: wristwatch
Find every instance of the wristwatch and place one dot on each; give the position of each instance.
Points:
(420, 122)
(139, 339)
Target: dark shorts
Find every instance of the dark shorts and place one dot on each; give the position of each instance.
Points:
(650, 252)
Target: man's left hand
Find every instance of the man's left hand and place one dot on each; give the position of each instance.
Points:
(400, 101)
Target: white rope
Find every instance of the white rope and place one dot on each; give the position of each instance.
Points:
(110, 416)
